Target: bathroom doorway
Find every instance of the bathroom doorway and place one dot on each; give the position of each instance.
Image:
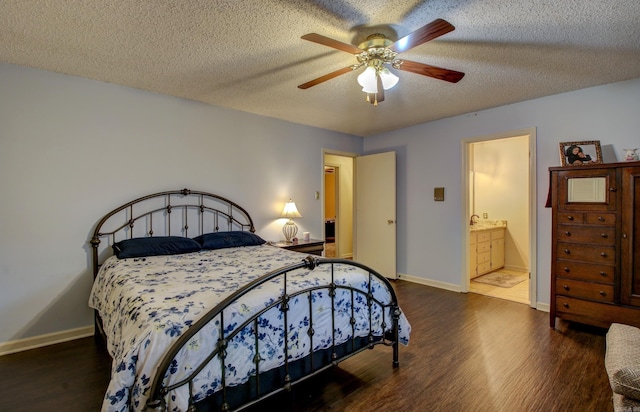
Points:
(500, 193)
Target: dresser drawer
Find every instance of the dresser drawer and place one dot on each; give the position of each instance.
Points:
(591, 218)
(484, 257)
(603, 235)
(586, 253)
(484, 236)
(607, 219)
(585, 271)
(585, 290)
(484, 268)
(569, 217)
(593, 313)
(484, 247)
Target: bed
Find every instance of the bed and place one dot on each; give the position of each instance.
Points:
(199, 313)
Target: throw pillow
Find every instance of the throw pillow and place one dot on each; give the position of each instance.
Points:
(626, 381)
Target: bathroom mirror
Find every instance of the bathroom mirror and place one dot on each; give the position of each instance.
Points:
(587, 190)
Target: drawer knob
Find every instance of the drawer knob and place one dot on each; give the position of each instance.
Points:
(603, 254)
(569, 217)
(603, 293)
(624, 235)
(603, 274)
(567, 251)
(604, 235)
(566, 269)
(600, 218)
(566, 287)
(612, 189)
(567, 233)
(566, 305)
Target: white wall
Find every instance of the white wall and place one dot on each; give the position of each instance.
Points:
(429, 155)
(502, 191)
(72, 149)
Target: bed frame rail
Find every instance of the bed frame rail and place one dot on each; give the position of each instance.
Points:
(389, 337)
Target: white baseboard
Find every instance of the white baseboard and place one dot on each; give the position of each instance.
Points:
(45, 340)
(543, 307)
(428, 282)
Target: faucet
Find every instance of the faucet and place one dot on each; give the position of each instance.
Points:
(473, 222)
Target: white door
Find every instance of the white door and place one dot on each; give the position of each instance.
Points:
(375, 240)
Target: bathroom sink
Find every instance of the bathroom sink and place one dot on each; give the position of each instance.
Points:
(486, 224)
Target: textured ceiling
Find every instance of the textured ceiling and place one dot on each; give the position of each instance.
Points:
(248, 55)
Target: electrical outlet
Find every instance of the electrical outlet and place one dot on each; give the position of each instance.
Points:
(485, 215)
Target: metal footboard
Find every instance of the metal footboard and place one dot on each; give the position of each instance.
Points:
(389, 336)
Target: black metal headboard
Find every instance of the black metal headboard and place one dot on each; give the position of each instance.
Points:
(185, 212)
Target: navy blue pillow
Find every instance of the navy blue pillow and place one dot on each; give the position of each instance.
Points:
(221, 240)
(155, 246)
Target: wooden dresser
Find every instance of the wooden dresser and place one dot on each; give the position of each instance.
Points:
(595, 269)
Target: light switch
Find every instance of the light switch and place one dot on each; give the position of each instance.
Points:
(438, 194)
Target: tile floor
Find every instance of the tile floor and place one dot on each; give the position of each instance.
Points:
(519, 293)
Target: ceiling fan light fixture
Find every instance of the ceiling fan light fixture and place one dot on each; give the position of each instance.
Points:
(388, 79)
(368, 80)
(377, 52)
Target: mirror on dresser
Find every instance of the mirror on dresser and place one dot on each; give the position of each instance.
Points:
(587, 189)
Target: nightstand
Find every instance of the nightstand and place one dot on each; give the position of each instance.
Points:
(311, 246)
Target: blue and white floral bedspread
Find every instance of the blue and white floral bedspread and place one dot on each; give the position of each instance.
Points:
(147, 303)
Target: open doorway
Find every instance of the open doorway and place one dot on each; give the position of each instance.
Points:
(499, 223)
(331, 199)
(338, 205)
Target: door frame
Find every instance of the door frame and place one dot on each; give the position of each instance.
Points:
(466, 210)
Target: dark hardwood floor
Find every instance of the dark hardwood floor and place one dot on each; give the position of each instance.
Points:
(467, 352)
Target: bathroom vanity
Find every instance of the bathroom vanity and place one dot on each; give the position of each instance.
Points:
(595, 269)
(486, 247)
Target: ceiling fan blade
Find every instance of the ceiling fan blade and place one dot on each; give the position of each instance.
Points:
(431, 31)
(326, 77)
(326, 41)
(447, 75)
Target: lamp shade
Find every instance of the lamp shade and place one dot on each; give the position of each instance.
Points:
(368, 80)
(388, 79)
(290, 210)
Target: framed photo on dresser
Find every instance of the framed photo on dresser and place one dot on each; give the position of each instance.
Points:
(580, 153)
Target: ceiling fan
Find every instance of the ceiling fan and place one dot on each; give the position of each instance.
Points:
(377, 52)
